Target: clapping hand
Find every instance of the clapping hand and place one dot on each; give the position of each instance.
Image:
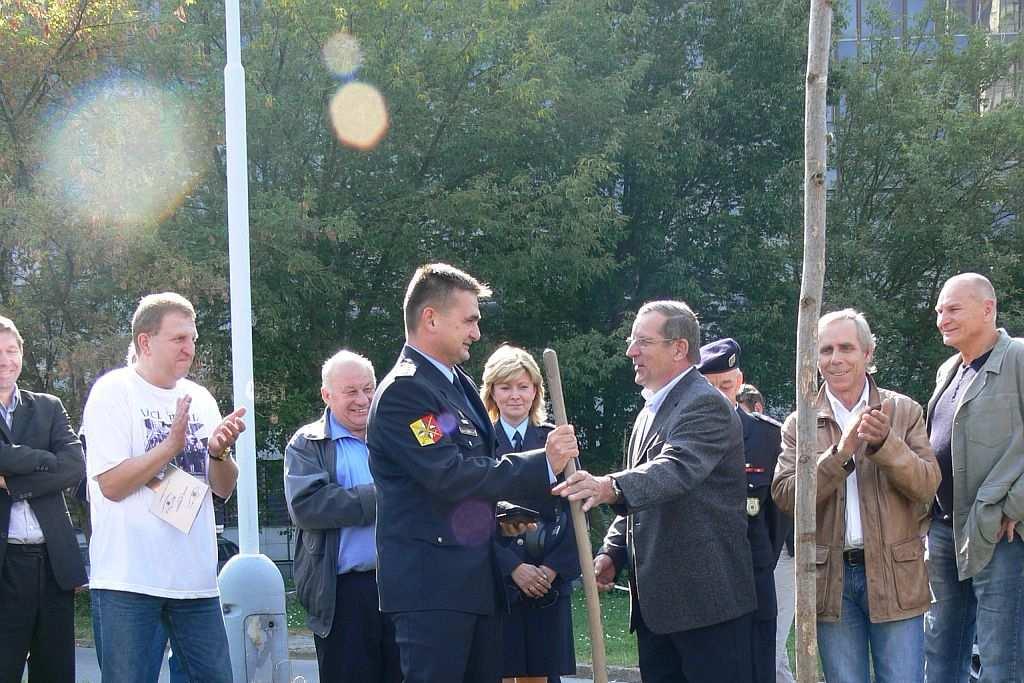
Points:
(226, 433)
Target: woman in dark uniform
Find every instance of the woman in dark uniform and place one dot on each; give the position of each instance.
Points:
(538, 629)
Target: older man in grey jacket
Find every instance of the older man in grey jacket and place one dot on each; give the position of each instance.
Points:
(681, 505)
(976, 552)
(331, 498)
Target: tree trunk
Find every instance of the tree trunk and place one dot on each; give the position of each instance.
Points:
(818, 43)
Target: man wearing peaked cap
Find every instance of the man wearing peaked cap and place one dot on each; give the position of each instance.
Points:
(719, 363)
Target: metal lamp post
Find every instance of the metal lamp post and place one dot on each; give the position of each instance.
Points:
(252, 590)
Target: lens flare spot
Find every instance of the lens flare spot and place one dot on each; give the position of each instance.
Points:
(359, 116)
(448, 423)
(342, 54)
(128, 155)
(473, 522)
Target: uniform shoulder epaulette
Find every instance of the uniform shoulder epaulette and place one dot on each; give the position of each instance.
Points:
(404, 369)
(766, 418)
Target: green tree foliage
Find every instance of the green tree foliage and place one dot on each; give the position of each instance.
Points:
(583, 157)
(928, 184)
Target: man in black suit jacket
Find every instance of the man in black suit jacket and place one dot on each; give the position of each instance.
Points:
(432, 458)
(681, 520)
(41, 566)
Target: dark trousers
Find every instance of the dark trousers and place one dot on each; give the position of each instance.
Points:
(762, 643)
(719, 653)
(361, 646)
(441, 646)
(762, 650)
(37, 619)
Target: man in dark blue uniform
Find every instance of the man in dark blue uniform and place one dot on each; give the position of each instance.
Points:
(431, 448)
(762, 438)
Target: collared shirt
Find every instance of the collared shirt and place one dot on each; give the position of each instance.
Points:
(445, 370)
(23, 527)
(7, 412)
(450, 374)
(357, 550)
(854, 528)
(654, 399)
(511, 431)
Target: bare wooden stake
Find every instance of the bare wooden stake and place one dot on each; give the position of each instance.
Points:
(819, 38)
(579, 525)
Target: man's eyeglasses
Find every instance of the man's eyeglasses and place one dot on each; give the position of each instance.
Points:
(645, 342)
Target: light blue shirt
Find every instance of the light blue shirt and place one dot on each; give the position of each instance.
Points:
(450, 374)
(357, 550)
(445, 370)
(7, 413)
(511, 431)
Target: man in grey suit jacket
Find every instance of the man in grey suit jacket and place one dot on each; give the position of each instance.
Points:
(40, 562)
(681, 524)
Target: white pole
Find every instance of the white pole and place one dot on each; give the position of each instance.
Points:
(251, 587)
(241, 299)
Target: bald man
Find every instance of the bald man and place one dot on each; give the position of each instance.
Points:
(976, 552)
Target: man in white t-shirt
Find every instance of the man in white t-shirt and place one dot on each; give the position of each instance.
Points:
(148, 576)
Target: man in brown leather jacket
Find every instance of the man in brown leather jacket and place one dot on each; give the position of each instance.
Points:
(872, 586)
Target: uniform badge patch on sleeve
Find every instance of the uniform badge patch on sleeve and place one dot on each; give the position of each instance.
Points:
(426, 430)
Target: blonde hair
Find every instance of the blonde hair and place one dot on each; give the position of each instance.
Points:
(503, 365)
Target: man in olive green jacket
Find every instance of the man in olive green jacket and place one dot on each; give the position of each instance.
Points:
(876, 480)
(976, 427)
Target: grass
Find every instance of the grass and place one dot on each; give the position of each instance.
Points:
(83, 619)
(619, 643)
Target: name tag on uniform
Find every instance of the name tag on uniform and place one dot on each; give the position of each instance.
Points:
(466, 426)
(753, 507)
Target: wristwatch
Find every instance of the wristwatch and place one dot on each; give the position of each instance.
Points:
(224, 454)
(617, 490)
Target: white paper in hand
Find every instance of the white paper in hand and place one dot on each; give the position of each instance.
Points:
(179, 496)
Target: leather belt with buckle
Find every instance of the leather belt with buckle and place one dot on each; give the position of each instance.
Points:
(854, 556)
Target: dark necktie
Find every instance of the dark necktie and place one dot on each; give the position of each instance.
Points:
(517, 442)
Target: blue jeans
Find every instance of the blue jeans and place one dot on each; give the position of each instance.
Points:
(131, 628)
(989, 605)
(896, 647)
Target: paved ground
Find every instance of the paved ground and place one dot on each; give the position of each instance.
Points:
(89, 672)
